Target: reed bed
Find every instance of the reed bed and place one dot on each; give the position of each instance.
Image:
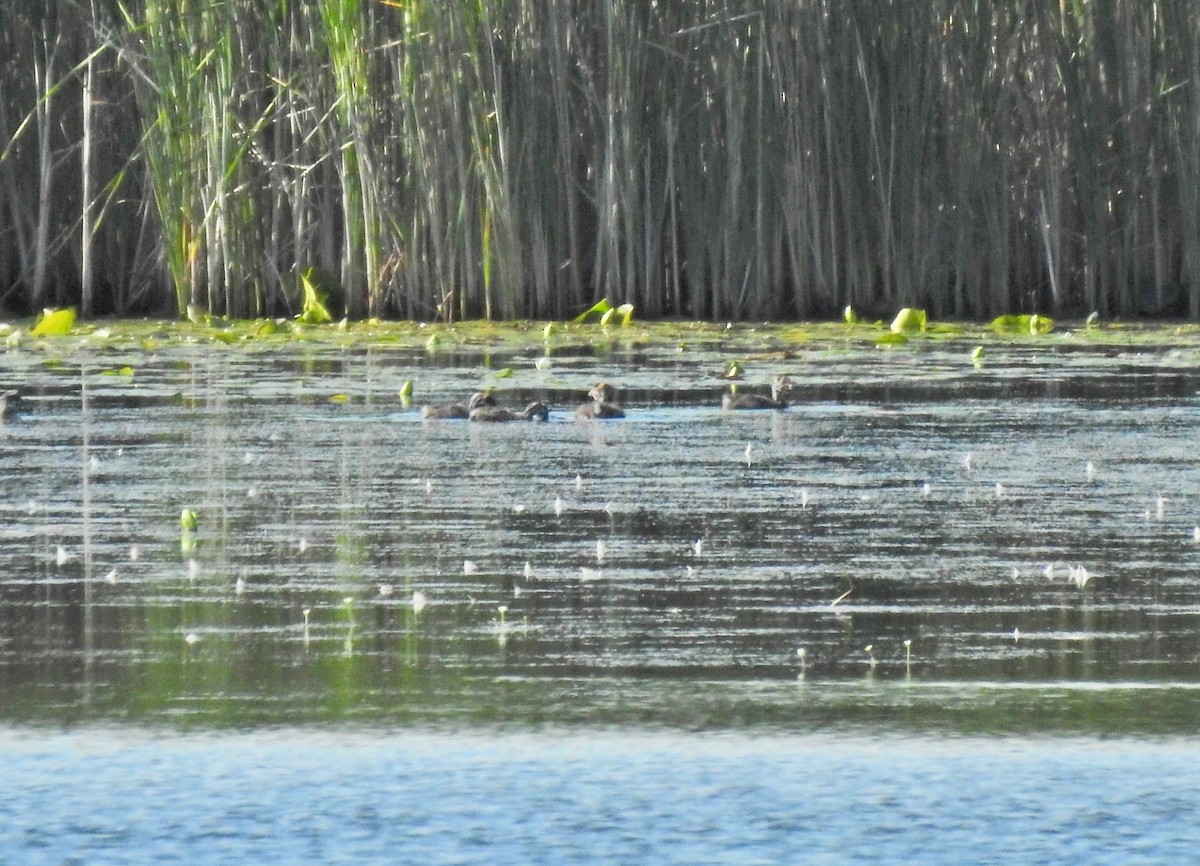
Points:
(712, 159)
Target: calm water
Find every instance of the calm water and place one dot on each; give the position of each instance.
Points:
(673, 637)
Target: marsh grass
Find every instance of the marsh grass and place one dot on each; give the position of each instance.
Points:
(721, 159)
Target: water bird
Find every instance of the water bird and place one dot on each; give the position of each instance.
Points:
(533, 412)
(779, 388)
(447, 411)
(602, 405)
(10, 403)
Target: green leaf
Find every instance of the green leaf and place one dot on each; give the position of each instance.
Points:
(908, 320)
(598, 309)
(188, 520)
(406, 390)
(1023, 324)
(891, 340)
(849, 316)
(53, 323)
(625, 311)
(314, 311)
(506, 373)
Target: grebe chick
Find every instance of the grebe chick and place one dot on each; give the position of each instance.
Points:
(781, 385)
(602, 405)
(443, 411)
(532, 412)
(10, 403)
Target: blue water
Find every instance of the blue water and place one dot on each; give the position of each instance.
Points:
(297, 796)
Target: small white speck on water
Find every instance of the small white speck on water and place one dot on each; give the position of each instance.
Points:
(111, 577)
(1090, 471)
(749, 451)
(559, 506)
(601, 551)
(469, 567)
(419, 601)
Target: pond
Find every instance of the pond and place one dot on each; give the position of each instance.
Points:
(920, 548)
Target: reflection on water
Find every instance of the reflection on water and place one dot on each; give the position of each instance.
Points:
(916, 540)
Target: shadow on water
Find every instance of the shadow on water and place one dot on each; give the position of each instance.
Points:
(916, 542)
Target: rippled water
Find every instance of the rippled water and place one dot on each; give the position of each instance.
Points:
(668, 567)
(557, 797)
(900, 555)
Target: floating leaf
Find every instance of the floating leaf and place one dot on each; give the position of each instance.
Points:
(1023, 324)
(908, 321)
(506, 373)
(406, 390)
(548, 331)
(891, 340)
(733, 370)
(265, 328)
(124, 371)
(1040, 324)
(1093, 319)
(188, 520)
(54, 323)
(849, 316)
(607, 317)
(977, 353)
(626, 313)
(339, 398)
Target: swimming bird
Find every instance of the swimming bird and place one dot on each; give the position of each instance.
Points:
(602, 405)
(10, 403)
(532, 412)
(442, 411)
(781, 385)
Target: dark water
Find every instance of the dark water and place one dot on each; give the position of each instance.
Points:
(898, 556)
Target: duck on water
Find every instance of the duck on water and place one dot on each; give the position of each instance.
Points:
(491, 414)
(10, 403)
(602, 405)
(779, 387)
(443, 411)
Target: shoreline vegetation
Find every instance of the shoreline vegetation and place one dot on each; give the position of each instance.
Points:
(715, 160)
